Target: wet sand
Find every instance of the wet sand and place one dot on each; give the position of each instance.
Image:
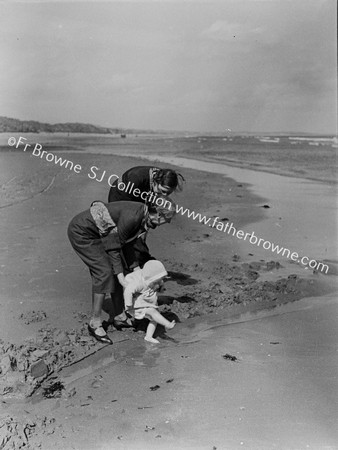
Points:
(280, 392)
(44, 287)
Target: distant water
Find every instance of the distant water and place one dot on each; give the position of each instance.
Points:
(309, 157)
(302, 215)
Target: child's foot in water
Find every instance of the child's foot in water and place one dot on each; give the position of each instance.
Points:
(171, 325)
(151, 339)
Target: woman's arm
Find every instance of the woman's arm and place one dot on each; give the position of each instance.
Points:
(138, 178)
(113, 247)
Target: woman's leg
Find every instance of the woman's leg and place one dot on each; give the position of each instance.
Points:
(95, 325)
(97, 303)
(117, 314)
(117, 303)
(96, 321)
(93, 254)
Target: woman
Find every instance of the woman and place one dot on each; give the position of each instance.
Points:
(143, 184)
(98, 236)
(147, 179)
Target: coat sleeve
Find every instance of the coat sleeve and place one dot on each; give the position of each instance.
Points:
(130, 255)
(129, 230)
(113, 246)
(128, 225)
(139, 177)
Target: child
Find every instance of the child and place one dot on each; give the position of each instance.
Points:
(140, 296)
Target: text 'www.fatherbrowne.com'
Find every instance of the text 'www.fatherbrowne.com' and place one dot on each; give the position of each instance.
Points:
(229, 229)
(150, 197)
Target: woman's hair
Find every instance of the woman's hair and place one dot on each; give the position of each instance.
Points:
(169, 178)
(164, 206)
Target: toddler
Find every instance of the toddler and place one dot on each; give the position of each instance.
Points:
(140, 296)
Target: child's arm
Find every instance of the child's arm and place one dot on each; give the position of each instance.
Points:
(129, 291)
(121, 279)
(128, 296)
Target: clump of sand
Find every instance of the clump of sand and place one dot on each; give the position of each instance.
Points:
(231, 284)
(17, 434)
(23, 367)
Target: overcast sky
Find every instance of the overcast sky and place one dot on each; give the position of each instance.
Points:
(250, 65)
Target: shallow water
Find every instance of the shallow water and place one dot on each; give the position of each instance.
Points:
(147, 355)
(280, 392)
(302, 216)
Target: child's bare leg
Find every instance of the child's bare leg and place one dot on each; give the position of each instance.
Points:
(157, 317)
(150, 333)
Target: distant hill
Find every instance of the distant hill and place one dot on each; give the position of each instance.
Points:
(8, 124)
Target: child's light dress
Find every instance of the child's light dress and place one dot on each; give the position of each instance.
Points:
(138, 295)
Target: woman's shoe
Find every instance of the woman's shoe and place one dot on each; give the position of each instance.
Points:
(105, 325)
(120, 324)
(105, 339)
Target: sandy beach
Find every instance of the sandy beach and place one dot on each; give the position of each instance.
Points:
(253, 360)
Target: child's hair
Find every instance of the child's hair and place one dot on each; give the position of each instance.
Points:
(170, 179)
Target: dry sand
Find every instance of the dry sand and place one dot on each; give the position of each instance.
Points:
(231, 300)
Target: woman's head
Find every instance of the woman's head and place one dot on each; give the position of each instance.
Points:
(160, 212)
(166, 181)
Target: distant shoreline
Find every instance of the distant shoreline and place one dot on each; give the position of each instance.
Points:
(315, 161)
(175, 160)
(175, 133)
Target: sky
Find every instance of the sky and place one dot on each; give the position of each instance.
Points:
(239, 65)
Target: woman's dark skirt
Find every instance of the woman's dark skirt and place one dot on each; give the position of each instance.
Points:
(90, 249)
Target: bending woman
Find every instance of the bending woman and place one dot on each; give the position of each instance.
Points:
(147, 180)
(143, 184)
(98, 236)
